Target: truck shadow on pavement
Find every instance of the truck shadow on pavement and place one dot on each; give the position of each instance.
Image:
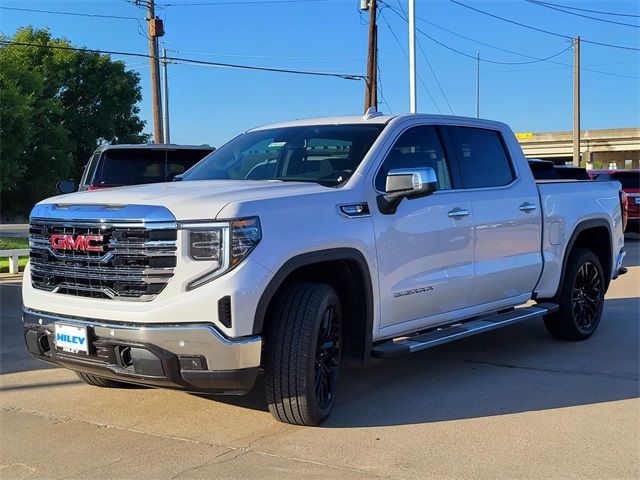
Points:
(517, 369)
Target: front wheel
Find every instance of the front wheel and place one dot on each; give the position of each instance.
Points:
(302, 353)
(581, 298)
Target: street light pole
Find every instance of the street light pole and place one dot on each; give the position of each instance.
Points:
(478, 84)
(576, 101)
(413, 101)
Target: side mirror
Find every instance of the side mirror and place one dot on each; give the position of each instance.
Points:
(406, 183)
(66, 186)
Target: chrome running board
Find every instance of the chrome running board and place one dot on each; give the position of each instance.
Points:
(448, 333)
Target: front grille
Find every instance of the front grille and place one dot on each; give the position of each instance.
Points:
(122, 262)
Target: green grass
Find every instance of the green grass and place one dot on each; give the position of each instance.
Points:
(4, 264)
(13, 243)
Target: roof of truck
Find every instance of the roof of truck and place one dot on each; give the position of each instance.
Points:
(377, 118)
(152, 146)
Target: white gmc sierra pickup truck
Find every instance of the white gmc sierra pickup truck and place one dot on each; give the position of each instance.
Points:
(298, 245)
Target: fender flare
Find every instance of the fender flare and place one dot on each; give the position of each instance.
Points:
(310, 258)
(582, 226)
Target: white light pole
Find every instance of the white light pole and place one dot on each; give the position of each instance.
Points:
(478, 84)
(413, 101)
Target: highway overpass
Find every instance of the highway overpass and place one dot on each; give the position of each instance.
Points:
(608, 148)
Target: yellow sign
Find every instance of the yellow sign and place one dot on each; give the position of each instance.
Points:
(524, 136)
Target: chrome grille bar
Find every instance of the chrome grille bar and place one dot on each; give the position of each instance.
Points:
(130, 259)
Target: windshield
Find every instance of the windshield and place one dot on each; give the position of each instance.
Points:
(325, 154)
(137, 166)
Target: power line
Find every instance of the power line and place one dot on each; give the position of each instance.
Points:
(497, 62)
(433, 100)
(623, 47)
(559, 9)
(248, 2)
(75, 14)
(193, 62)
(286, 57)
(480, 42)
(383, 100)
(599, 12)
(433, 72)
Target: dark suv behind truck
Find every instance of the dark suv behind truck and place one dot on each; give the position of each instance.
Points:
(133, 164)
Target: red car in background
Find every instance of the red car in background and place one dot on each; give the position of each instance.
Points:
(630, 180)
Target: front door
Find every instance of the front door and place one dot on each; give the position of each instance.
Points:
(425, 248)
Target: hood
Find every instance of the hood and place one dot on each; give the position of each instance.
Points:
(190, 200)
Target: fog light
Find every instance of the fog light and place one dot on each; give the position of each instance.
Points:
(192, 363)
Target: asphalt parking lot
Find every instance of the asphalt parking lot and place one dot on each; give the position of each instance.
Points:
(513, 403)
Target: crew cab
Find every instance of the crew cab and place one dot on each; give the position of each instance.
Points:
(299, 245)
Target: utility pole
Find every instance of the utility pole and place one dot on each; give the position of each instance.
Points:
(478, 84)
(371, 87)
(576, 101)
(413, 100)
(155, 30)
(165, 98)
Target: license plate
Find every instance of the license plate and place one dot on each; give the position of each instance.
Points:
(71, 338)
(637, 200)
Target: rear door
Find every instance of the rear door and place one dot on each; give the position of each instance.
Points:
(507, 221)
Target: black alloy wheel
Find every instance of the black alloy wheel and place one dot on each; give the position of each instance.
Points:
(580, 298)
(586, 296)
(327, 357)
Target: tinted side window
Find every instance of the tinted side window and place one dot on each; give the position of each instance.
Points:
(483, 160)
(418, 147)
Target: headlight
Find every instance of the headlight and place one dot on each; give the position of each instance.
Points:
(245, 235)
(206, 244)
(223, 244)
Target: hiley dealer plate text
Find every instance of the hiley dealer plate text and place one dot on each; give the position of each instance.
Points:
(71, 338)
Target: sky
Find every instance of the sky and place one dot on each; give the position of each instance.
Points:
(211, 105)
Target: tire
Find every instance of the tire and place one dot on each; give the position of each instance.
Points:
(303, 353)
(97, 381)
(581, 298)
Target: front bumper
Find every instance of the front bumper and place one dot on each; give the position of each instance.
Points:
(193, 357)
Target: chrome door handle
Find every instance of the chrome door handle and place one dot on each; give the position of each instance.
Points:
(458, 213)
(527, 207)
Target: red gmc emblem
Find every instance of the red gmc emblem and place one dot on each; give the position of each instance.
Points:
(79, 242)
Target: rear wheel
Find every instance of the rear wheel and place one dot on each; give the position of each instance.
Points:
(97, 381)
(581, 298)
(303, 353)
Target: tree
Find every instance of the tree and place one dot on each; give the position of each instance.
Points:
(56, 107)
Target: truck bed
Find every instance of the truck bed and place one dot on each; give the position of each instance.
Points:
(565, 203)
